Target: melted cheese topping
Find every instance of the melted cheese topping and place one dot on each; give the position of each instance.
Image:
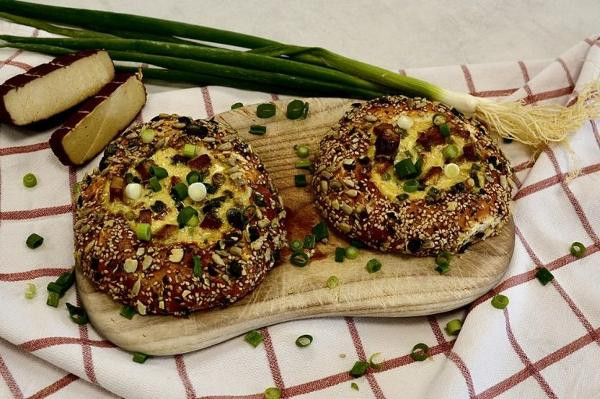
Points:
(131, 208)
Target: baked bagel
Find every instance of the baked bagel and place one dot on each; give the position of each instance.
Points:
(412, 176)
(180, 216)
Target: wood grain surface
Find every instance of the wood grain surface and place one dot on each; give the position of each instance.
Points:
(405, 285)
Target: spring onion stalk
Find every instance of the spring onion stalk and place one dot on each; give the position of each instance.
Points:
(534, 125)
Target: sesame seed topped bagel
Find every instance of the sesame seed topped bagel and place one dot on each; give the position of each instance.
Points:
(412, 176)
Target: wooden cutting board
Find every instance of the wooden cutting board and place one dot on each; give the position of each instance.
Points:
(405, 286)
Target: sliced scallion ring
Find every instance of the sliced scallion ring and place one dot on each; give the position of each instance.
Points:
(439, 119)
(577, 249)
(332, 282)
(295, 109)
(296, 245)
(500, 301)
(34, 241)
(359, 369)
(77, 314)
(351, 253)
(147, 135)
(127, 311)
(197, 266)
(30, 291)
(236, 105)
(304, 340)
(139, 357)
(265, 110)
(376, 360)
(453, 327)
(143, 232)
(257, 130)
(300, 181)
(272, 393)
(544, 276)
(189, 150)
(420, 352)
(302, 151)
(29, 180)
(340, 254)
(254, 338)
(299, 259)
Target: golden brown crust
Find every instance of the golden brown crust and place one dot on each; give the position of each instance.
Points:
(363, 148)
(158, 276)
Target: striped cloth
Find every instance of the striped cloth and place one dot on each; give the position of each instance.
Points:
(546, 343)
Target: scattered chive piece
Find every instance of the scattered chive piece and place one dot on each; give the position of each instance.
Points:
(147, 135)
(185, 215)
(296, 245)
(577, 249)
(66, 279)
(54, 287)
(34, 241)
(30, 291)
(236, 105)
(340, 254)
(439, 119)
(179, 191)
(358, 244)
(254, 338)
(29, 180)
(154, 184)
(299, 259)
(295, 109)
(376, 360)
(303, 164)
(405, 168)
(359, 369)
(139, 357)
(420, 352)
(410, 186)
(450, 151)
(300, 181)
(258, 130)
(265, 110)
(193, 177)
(272, 393)
(453, 327)
(332, 282)
(127, 311)
(78, 315)
(189, 150)
(445, 130)
(500, 301)
(320, 231)
(351, 253)
(309, 241)
(197, 266)
(443, 262)
(304, 340)
(354, 386)
(544, 275)
(143, 232)
(159, 172)
(53, 298)
(302, 151)
(373, 266)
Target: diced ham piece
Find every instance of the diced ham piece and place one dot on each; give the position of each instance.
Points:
(386, 143)
(430, 138)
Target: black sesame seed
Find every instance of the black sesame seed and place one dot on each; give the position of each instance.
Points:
(414, 244)
(196, 130)
(184, 119)
(464, 247)
(493, 160)
(212, 271)
(154, 119)
(110, 149)
(94, 263)
(235, 269)
(103, 163)
(479, 235)
(235, 218)
(158, 206)
(79, 201)
(253, 233)
(364, 160)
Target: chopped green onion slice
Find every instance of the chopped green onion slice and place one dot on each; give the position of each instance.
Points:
(159, 172)
(272, 393)
(445, 130)
(194, 177)
(453, 327)
(29, 180)
(577, 249)
(296, 245)
(143, 232)
(197, 266)
(500, 301)
(53, 298)
(303, 164)
(332, 282)
(420, 352)
(373, 266)
(299, 259)
(54, 287)
(359, 369)
(66, 279)
(30, 291)
(254, 338)
(443, 259)
(320, 231)
(354, 386)
(300, 181)
(139, 357)
(405, 169)
(258, 130)
(185, 215)
(309, 241)
(34, 241)
(304, 340)
(302, 151)
(193, 222)
(376, 360)
(265, 110)
(147, 135)
(78, 315)
(127, 311)
(442, 269)
(295, 109)
(439, 119)
(154, 184)
(450, 151)
(451, 170)
(189, 150)
(351, 253)
(340, 254)
(236, 105)
(179, 191)
(410, 186)
(544, 275)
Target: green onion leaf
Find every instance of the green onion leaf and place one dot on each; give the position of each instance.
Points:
(265, 110)
(351, 253)
(53, 298)
(143, 232)
(299, 259)
(185, 215)
(189, 150)
(304, 164)
(254, 338)
(376, 360)
(258, 130)
(420, 352)
(354, 386)
(194, 177)
(300, 181)
(66, 279)
(295, 109)
(320, 231)
(373, 266)
(443, 262)
(154, 184)
(445, 130)
(139, 357)
(577, 249)
(405, 169)
(359, 369)
(272, 393)
(127, 311)
(236, 105)
(340, 254)
(309, 241)
(332, 282)
(410, 186)
(30, 291)
(158, 172)
(197, 266)
(29, 180)
(500, 301)
(544, 275)
(304, 340)
(78, 315)
(453, 327)
(34, 241)
(296, 245)
(450, 151)
(302, 151)
(179, 192)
